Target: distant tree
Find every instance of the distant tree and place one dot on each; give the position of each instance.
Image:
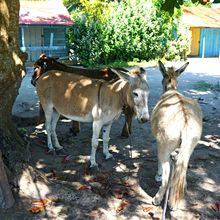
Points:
(170, 5)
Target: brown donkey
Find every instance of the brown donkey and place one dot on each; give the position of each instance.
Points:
(45, 63)
(176, 123)
(84, 99)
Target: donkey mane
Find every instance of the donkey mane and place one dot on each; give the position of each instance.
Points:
(47, 63)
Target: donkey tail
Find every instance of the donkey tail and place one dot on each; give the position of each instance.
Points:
(179, 164)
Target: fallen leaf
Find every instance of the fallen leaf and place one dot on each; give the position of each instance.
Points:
(127, 184)
(147, 209)
(67, 158)
(193, 204)
(92, 213)
(216, 207)
(39, 205)
(201, 158)
(44, 202)
(118, 194)
(36, 209)
(85, 187)
(123, 204)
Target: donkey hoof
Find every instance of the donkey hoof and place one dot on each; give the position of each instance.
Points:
(94, 170)
(158, 178)
(124, 135)
(156, 201)
(94, 165)
(109, 156)
(51, 151)
(61, 151)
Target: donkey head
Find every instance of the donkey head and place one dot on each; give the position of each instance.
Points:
(170, 76)
(138, 92)
(42, 65)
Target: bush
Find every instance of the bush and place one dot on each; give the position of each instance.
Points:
(126, 30)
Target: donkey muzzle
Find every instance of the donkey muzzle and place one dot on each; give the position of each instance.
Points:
(144, 119)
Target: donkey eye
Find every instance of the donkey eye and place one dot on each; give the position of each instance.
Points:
(135, 94)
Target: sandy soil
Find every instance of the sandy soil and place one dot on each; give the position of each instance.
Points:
(121, 188)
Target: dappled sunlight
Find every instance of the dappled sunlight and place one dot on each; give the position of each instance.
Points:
(114, 148)
(31, 186)
(56, 210)
(72, 172)
(208, 184)
(122, 187)
(197, 92)
(211, 141)
(40, 164)
(82, 159)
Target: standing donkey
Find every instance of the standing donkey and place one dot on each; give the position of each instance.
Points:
(85, 99)
(45, 63)
(176, 124)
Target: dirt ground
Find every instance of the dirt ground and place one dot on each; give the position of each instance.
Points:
(122, 188)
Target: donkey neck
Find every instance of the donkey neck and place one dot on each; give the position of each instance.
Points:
(122, 88)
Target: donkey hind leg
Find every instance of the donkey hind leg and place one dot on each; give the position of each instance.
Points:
(164, 160)
(75, 128)
(158, 176)
(160, 155)
(97, 125)
(106, 131)
(41, 116)
(55, 118)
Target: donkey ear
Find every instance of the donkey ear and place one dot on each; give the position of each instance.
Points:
(143, 73)
(181, 69)
(162, 68)
(43, 56)
(122, 73)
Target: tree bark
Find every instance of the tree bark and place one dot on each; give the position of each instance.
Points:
(12, 70)
(6, 197)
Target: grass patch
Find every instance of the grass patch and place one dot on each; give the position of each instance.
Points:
(204, 86)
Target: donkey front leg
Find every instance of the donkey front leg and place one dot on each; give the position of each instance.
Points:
(95, 142)
(106, 131)
(48, 125)
(55, 118)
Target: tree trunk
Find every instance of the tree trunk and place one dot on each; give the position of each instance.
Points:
(12, 71)
(6, 197)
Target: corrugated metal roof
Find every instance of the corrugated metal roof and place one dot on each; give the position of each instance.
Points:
(48, 12)
(201, 17)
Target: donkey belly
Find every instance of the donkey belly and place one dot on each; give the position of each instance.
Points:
(85, 118)
(74, 114)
